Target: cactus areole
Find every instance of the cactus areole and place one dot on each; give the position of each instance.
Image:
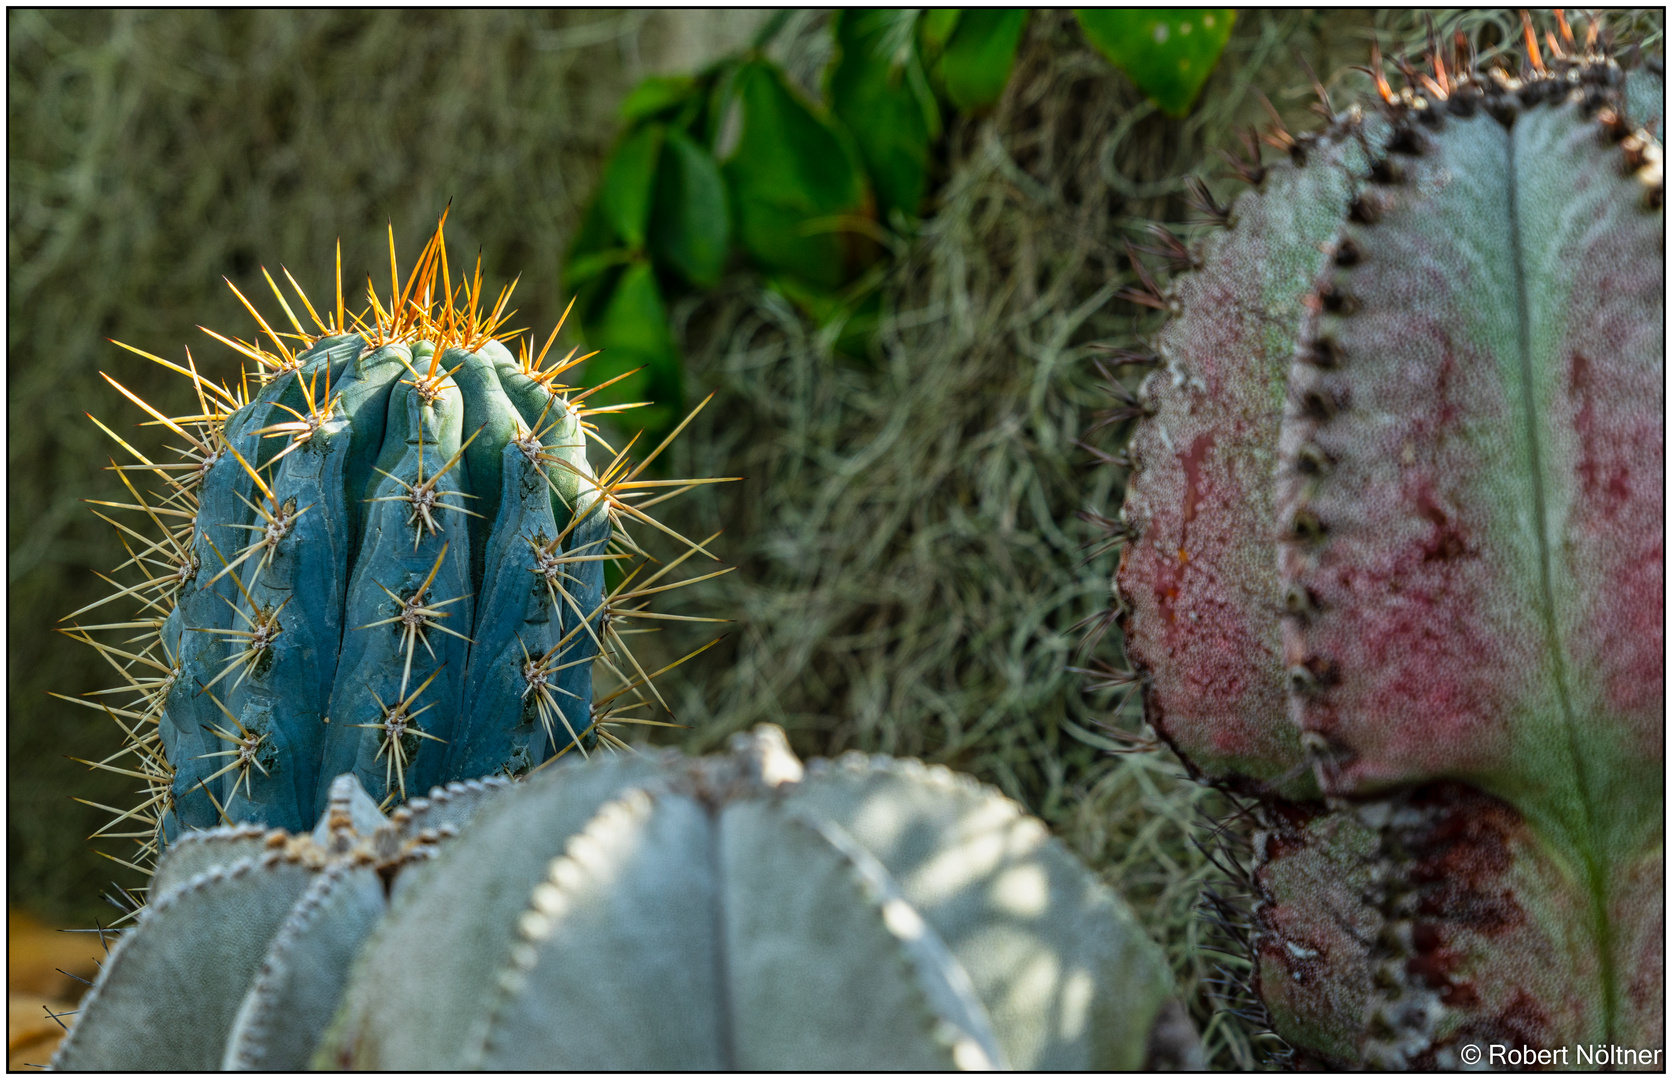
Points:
(1394, 558)
(381, 553)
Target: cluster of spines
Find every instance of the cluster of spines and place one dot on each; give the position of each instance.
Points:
(1227, 905)
(430, 308)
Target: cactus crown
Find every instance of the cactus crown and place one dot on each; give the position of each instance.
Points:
(380, 551)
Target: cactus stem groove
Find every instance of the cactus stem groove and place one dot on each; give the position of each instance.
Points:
(1588, 841)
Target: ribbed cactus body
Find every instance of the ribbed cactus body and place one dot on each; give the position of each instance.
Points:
(238, 960)
(649, 913)
(1206, 603)
(1396, 536)
(378, 506)
(738, 913)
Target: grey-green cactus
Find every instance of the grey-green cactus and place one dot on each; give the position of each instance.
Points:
(238, 961)
(735, 913)
(641, 912)
(382, 554)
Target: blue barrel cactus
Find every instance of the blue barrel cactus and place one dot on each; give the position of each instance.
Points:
(381, 553)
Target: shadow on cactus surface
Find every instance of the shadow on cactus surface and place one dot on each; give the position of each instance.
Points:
(1394, 547)
(380, 551)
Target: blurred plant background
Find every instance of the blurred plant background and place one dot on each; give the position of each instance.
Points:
(901, 348)
(818, 193)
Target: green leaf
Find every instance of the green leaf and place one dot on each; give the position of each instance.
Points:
(723, 113)
(878, 90)
(629, 180)
(979, 55)
(595, 234)
(582, 269)
(786, 146)
(792, 178)
(690, 223)
(819, 304)
(1168, 52)
(860, 319)
(657, 95)
(635, 318)
(781, 239)
(632, 332)
(935, 28)
(593, 295)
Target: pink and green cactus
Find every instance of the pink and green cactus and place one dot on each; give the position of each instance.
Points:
(1394, 557)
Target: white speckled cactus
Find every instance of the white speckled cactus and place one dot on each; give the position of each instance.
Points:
(653, 912)
(239, 959)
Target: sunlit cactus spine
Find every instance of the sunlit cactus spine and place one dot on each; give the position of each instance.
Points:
(1393, 555)
(380, 552)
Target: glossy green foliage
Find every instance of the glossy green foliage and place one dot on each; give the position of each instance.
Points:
(974, 63)
(878, 88)
(731, 163)
(639, 353)
(1168, 52)
(793, 177)
(661, 195)
(657, 96)
(737, 913)
(661, 217)
(662, 204)
(630, 182)
(690, 223)
(736, 159)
